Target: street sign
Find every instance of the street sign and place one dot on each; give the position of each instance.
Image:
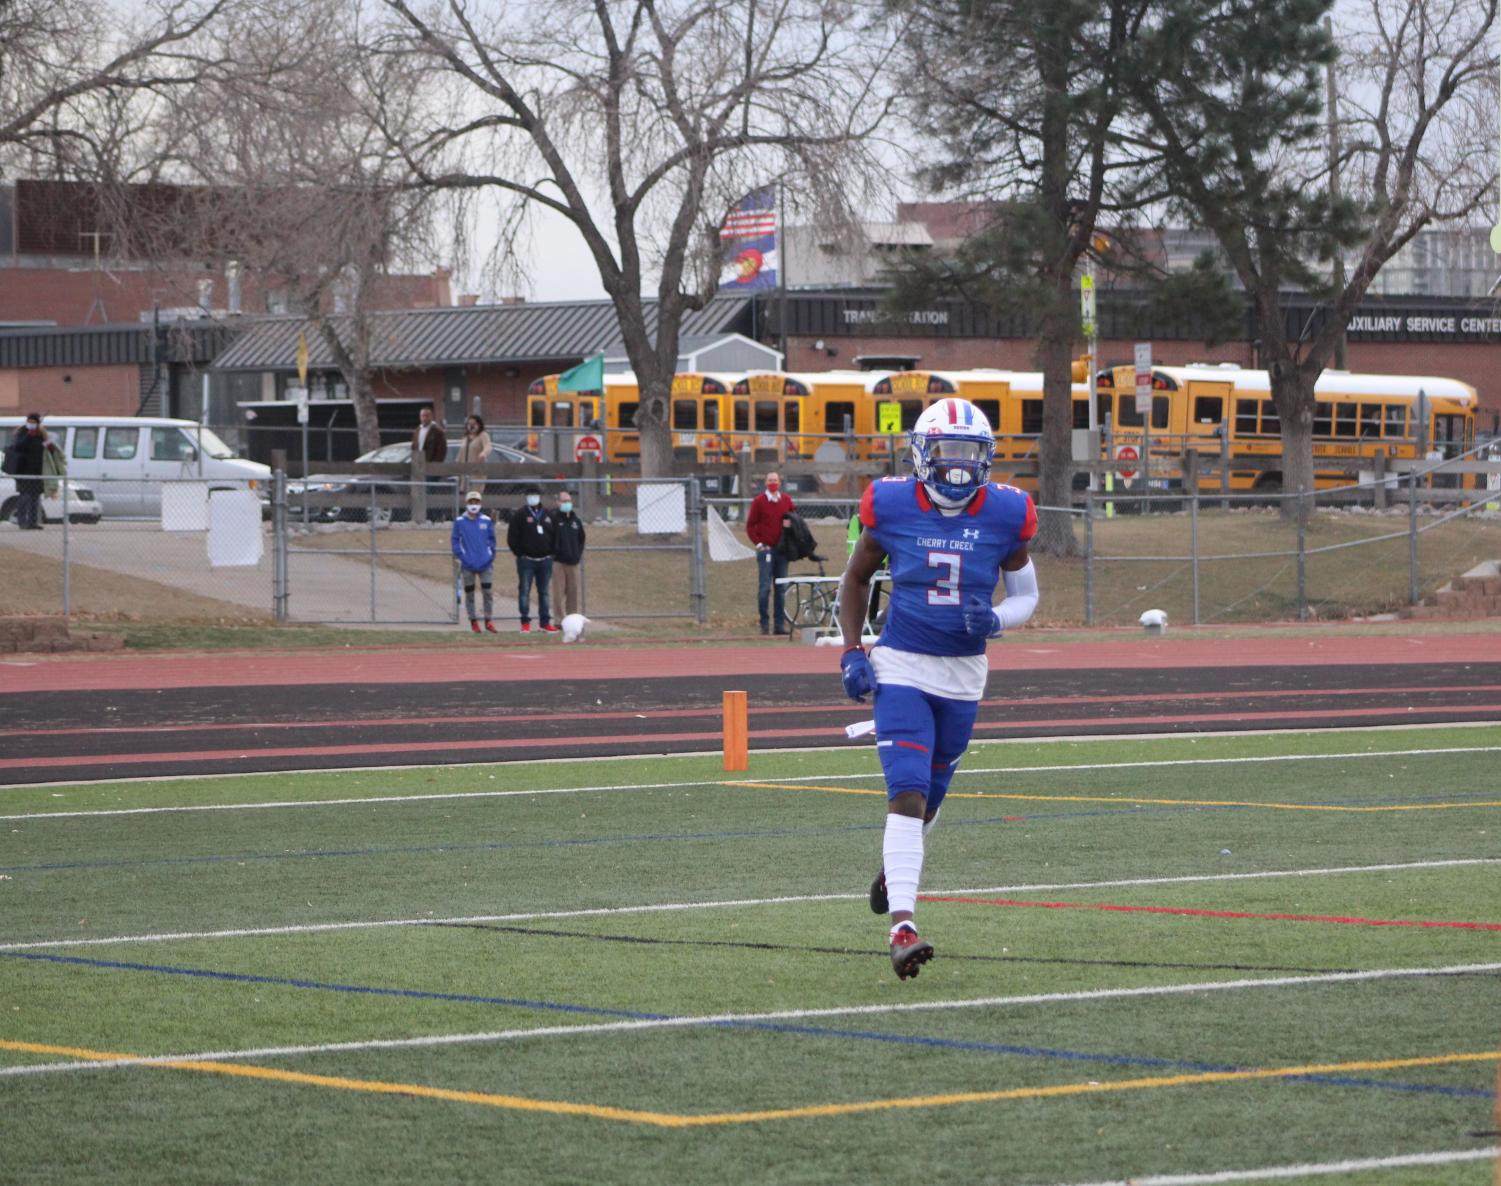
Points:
(588, 446)
(1143, 377)
(888, 418)
(1087, 305)
(1127, 453)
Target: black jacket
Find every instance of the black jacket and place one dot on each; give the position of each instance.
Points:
(532, 533)
(570, 538)
(28, 451)
(797, 542)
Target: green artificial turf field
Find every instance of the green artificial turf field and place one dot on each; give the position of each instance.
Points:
(1172, 960)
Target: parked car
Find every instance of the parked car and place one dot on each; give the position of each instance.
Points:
(125, 459)
(82, 506)
(346, 498)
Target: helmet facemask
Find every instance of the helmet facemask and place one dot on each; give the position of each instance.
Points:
(952, 459)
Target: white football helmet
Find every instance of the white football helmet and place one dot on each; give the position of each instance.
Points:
(952, 447)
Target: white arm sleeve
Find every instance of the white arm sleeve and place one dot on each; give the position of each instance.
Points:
(1021, 597)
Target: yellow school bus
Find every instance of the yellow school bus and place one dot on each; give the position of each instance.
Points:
(1356, 416)
(767, 416)
(546, 408)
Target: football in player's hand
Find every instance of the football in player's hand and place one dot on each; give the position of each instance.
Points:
(979, 617)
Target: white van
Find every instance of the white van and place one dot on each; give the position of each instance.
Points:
(125, 459)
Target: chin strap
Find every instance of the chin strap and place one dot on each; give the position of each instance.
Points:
(1021, 597)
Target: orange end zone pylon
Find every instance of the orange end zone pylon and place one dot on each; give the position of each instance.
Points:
(736, 731)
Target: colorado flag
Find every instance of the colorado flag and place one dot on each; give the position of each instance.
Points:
(748, 242)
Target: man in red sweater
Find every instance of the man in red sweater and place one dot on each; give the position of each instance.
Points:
(768, 515)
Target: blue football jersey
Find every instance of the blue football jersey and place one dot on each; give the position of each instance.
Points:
(938, 560)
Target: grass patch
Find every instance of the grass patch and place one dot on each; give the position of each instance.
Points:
(1066, 1089)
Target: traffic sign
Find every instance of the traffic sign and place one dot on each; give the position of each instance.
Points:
(587, 446)
(1144, 377)
(1127, 453)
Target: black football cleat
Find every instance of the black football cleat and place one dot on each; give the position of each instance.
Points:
(909, 952)
(879, 904)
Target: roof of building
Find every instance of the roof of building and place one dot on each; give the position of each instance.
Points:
(125, 344)
(550, 332)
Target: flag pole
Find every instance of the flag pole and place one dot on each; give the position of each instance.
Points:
(782, 254)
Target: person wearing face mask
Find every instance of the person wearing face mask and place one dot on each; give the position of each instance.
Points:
(473, 540)
(569, 553)
(532, 538)
(763, 525)
(27, 455)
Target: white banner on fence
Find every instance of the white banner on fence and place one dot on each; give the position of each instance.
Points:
(184, 506)
(722, 542)
(661, 508)
(234, 529)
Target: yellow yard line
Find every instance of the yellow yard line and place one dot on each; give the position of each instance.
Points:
(680, 1120)
(1125, 800)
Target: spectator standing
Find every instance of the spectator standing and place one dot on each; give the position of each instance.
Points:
(763, 525)
(473, 540)
(532, 538)
(474, 452)
(429, 438)
(569, 553)
(29, 449)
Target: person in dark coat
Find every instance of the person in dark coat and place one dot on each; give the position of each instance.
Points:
(29, 450)
(532, 537)
(569, 553)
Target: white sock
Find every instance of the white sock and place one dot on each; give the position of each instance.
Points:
(901, 849)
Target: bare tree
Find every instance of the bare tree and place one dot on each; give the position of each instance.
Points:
(59, 59)
(1236, 114)
(640, 122)
(274, 169)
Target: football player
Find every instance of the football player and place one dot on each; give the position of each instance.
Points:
(952, 535)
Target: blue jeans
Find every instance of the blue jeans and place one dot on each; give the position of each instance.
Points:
(771, 564)
(529, 569)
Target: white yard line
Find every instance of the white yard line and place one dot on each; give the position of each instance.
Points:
(779, 1016)
(1313, 1169)
(356, 801)
(738, 903)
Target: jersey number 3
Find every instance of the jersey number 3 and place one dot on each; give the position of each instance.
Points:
(945, 590)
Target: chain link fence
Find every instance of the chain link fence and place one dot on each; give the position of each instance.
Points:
(656, 552)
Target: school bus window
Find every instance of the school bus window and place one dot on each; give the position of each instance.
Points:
(1081, 414)
(991, 408)
(627, 414)
(1245, 417)
(1160, 409)
(742, 415)
(1396, 420)
(911, 410)
(1344, 420)
(538, 412)
(1210, 409)
(792, 417)
(1031, 417)
(562, 414)
(766, 415)
(1129, 417)
(586, 413)
(1370, 420)
(684, 414)
(1103, 407)
(711, 414)
(1323, 419)
(839, 417)
(1271, 424)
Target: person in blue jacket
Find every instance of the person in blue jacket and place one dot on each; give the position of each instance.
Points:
(952, 536)
(473, 541)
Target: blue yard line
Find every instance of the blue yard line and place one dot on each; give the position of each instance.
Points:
(648, 838)
(764, 1026)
